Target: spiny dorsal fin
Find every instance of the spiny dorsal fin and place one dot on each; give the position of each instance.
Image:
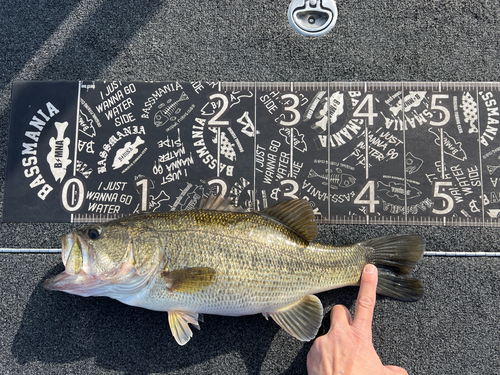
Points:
(296, 214)
(219, 203)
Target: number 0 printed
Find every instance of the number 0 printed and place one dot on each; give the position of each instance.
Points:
(73, 194)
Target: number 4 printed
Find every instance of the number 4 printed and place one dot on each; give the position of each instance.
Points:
(368, 196)
(368, 103)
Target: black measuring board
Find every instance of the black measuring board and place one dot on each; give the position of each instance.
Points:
(401, 153)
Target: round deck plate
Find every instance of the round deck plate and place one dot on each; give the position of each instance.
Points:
(312, 17)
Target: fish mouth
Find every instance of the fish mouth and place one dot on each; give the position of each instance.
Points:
(64, 282)
(77, 277)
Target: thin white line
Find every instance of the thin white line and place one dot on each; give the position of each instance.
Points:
(426, 253)
(76, 130)
(291, 153)
(76, 144)
(404, 146)
(442, 163)
(255, 148)
(291, 141)
(218, 142)
(442, 146)
(480, 151)
(367, 151)
(459, 254)
(218, 151)
(328, 148)
(442, 154)
(19, 251)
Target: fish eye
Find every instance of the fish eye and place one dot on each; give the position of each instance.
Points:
(94, 233)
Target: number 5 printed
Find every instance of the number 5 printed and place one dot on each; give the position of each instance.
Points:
(439, 192)
(436, 106)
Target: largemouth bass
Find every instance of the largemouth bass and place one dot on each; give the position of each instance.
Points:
(222, 260)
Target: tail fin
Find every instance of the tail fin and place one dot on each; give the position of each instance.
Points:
(395, 256)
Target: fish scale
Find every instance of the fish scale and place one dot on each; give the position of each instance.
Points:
(251, 261)
(220, 260)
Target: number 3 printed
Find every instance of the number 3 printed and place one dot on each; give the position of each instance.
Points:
(292, 109)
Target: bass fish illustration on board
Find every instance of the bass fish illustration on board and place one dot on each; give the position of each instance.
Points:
(339, 179)
(126, 153)
(167, 110)
(58, 157)
(220, 259)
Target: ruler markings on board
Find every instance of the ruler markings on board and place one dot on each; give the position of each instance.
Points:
(397, 153)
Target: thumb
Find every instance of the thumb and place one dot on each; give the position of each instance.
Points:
(340, 318)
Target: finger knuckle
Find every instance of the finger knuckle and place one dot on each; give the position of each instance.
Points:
(366, 302)
(321, 345)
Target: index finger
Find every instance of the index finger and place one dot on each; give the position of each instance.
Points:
(367, 296)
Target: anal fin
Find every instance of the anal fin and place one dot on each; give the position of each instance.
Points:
(178, 321)
(302, 319)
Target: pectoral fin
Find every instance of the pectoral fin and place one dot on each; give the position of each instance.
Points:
(178, 322)
(189, 280)
(301, 320)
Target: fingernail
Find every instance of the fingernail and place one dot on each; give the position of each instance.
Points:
(369, 268)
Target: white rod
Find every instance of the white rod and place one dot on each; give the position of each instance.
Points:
(47, 251)
(459, 254)
(426, 253)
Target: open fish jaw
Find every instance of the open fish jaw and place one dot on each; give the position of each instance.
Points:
(121, 282)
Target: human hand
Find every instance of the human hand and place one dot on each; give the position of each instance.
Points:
(347, 348)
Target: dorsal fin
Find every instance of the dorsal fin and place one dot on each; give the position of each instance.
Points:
(219, 203)
(296, 214)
